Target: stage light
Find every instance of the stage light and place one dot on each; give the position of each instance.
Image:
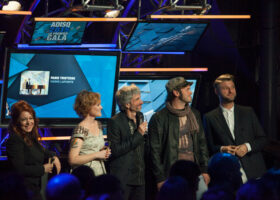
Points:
(112, 13)
(111, 8)
(201, 6)
(11, 6)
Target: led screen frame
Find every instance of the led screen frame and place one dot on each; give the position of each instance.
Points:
(162, 43)
(158, 96)
(44, 29)
(83, 77)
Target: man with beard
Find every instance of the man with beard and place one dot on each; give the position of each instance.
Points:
(126, 133)
(176, 133)
(235, 129)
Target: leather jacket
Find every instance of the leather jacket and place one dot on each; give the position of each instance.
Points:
(164, 143)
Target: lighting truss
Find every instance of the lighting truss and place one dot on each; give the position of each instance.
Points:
(88, 6)
(189, 5)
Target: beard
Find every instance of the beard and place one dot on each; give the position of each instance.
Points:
(185, 100)
(135, 108)
(227, 100)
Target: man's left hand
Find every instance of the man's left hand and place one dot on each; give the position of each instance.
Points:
(206, 178)
(241, 150)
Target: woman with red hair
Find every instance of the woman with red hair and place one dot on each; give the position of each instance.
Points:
(25, 153)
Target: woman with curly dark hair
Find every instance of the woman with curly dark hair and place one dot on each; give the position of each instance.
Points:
(26, 155)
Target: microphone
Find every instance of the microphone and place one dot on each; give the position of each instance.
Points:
(142, 119)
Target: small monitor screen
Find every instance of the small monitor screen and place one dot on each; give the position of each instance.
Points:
(153, 92)
(155, 36)
(58, 33)
(50, 82)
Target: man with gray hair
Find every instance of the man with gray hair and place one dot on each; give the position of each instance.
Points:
(126, 132)
(176, 132)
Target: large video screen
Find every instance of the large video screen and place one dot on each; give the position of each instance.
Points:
(58, 33)
(165, 37)
(153, 92)
(50, 81)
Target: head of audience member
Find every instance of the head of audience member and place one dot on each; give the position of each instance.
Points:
(271, 182)
(12, 187)
(88, 103)
(105, 184)
(225, 88)
(251, 190)
(85, 174)
(64, 187)
(267, 187)
(218, 193)
(179, 87)
(99, 197)
(188, 170)
(24, 122)
(224, 170)
(175, 187)
(129, 98)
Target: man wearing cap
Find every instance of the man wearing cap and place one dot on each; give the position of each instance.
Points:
(235, 129)
(176, 132)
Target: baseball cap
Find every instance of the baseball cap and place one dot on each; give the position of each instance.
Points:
(177, 83)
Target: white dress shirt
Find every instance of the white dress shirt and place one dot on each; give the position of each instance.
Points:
(229, 117)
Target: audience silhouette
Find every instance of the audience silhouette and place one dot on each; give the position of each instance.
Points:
(175, 187)
(85, 174)
(12, 187)
(105, 184)
(224, 170)
(64, 187)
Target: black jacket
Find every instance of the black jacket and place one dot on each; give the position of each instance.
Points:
(127, 150)
(27, 161)
(164, 143)
(246, 129)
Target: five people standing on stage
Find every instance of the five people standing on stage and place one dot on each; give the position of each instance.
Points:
(175, 133)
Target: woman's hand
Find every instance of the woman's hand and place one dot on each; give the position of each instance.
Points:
(108, 153)
(57, 164)
(48, 167)
(103, 154)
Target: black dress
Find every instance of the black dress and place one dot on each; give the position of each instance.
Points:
(28, 161)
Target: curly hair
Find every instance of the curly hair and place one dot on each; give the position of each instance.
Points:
(125, 94)
(84, 101)
(15, 126)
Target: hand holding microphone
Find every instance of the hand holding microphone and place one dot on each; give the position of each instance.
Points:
(48, 167)
(143, 127)
(106, 150)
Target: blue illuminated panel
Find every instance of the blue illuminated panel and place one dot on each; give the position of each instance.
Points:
(174, 37)
(97, 46)
(50, 82)
(58, 32)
